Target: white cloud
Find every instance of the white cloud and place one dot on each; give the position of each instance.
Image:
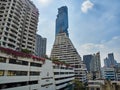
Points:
(43, 2)
(92, 46)
(111, 46)
(86, 5)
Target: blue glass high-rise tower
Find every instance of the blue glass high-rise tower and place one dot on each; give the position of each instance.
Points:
(62, 20)
(110, 61)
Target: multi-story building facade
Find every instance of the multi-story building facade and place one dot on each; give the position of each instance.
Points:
(110, 61)
(18, 24)
(93, 65)
(64, 76)
(109, 73)
(40, 48)
(117, 71)
(64, 51)
(96, 66)
(62, 20)
(87, 60)
(96, 85)
(103, 85)
(20, 71)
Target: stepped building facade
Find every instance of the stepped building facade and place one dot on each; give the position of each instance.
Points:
(63, 49)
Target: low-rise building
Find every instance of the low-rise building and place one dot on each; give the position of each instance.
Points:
(20, 71)
(96, 84)
(64, 75)
(103, 85)
(117, 70)
(109, 73)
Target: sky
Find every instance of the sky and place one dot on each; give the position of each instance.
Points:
(94, 25)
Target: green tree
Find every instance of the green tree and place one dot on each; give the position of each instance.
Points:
(78, 85)
(54, 59)
(26, 51)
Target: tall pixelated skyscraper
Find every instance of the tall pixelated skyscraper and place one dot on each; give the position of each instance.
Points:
(62, 20)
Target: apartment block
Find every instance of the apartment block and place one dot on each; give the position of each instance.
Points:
(18, 24)
(109, 73)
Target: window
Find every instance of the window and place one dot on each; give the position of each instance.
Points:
(56, 73)
(47, 85)
(4, 43)
(6, 33)
(12, 8)
(47, 78)
(34, 73)
(2, 59)
(33, 82)
(5, 38)
(7, 28)
(62, 83)
(61, 72)
(8, 24)
(35, 64)
(97, 88)
(76, 66)
(20, 62)
(92, 88)
(9, 19)
(17, 73)
(1, 73)
(17, 84)
(1, 15)
(3, 23)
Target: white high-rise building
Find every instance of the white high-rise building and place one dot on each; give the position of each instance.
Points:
(18, 24)
(64, 50)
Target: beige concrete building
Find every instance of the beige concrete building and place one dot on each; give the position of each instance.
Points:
(64, 50)
(103, 85)
(18, 24)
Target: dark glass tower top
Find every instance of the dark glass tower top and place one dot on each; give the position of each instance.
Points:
(62, 20)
